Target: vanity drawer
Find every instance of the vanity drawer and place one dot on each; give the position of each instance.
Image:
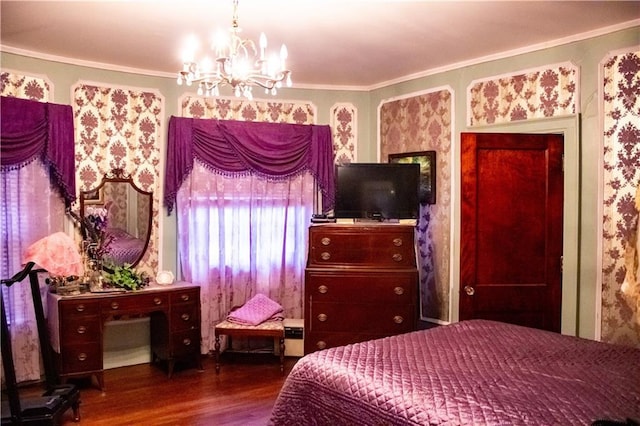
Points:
(81, 358)
(70, 309)
(140, 302)
(190, 295)
(82, 330)
(185, 343)
(184, 317)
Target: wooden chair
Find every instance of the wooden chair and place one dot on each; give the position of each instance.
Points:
(49, 408)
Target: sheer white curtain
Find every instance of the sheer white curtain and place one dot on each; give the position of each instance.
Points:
(30, 209)
(239, 236)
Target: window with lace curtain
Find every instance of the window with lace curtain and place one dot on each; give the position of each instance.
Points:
(243, 235)
(30, 209)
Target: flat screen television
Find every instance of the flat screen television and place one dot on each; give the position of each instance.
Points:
(377, 191)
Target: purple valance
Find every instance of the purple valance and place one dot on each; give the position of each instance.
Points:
(274, 150)
(31, 130)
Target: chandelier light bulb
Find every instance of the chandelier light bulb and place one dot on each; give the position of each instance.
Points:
(237, 63)
(263, 44)
(283, 57)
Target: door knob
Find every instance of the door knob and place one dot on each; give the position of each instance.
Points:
(469, 290)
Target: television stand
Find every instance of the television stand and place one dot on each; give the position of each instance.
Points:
(361, 283)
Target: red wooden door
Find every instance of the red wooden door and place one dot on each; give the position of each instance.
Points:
(511, 248)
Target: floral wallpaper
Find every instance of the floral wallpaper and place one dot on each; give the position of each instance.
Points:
(344, 122)
(551, 91)
(422, 122)
(120, 128)
(621, 163)
(17, 85)
(224, 108)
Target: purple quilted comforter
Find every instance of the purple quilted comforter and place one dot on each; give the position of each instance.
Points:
(469, 373)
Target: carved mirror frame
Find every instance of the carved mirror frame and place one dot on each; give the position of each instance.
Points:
(98, 197)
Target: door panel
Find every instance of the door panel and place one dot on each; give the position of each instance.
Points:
(512, 196)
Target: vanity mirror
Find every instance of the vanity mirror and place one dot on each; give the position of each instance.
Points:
(129, 216)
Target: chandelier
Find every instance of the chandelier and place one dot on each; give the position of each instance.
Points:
(238, 64)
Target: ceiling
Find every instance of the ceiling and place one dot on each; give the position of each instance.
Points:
(351, 44)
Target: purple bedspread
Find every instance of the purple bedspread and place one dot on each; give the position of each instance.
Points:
(124, 247)
(474, 372)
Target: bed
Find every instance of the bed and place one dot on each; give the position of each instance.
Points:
(474, 372)
(124, 247)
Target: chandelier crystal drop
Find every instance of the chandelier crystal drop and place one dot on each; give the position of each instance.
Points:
(239, 64)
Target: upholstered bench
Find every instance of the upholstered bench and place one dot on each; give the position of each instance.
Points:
(265, 329)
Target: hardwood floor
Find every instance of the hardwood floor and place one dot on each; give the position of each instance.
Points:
(242, 394)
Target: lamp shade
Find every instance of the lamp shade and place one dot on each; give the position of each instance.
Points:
(57, 253)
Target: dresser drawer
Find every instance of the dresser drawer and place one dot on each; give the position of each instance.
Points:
(185, 343)
(81, 358)
(139, 302)
(389, 287)
(81, 330)
(363, 318)
(376, 246)
(324, 340)
(70, 309)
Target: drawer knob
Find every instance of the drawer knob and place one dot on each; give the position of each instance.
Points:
(399, 291)
(186, 342)
(321, 344)
(397, 242)
(81, 329)
(325, 241)
(398, 319)
(184, 297)
(322, 317)
(323, 289)
(115, 305)
(80, 308)
(185, 317)
(397, 257)
(82, 356)
(157, 301)
(325, 255)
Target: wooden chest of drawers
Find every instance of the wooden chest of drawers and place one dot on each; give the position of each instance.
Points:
(361, 283)
(76, 326)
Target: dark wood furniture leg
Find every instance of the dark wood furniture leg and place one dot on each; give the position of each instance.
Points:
(217, 348)
(282, 355)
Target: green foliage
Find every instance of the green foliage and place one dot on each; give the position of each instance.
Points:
(127, 278)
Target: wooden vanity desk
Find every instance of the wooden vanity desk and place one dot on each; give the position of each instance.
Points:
(76, 326)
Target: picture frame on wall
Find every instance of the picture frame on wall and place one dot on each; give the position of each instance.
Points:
(94, 197)
(427, 162)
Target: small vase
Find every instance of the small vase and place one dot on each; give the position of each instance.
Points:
(96, 279)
